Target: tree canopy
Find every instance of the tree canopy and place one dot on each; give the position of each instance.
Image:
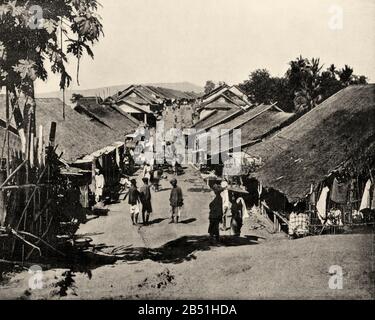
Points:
(209, 86)
(33, 32)
(304, 85)
(32, 36)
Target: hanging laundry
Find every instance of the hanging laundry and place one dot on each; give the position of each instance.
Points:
(245, 213)
(118, 157)
(366, 198)
(100, 160)
(339, 191)
(373, 199)
(84, 197)
(321, 206)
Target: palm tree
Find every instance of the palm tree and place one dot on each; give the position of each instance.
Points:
(332, 70)
(346, 75)
(304, 77)
(76, 97)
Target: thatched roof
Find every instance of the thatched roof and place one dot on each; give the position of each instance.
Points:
(233, 93)
(77, 135)
(141, 94)
(173, 94)
(225, 103)
(255, 124)
(110, 115)
(217, 117)
(339, 131)
(244, 118)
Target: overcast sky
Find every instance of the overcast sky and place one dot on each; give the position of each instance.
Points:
(197, 40)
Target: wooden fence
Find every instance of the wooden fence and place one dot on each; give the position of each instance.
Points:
(28, 224)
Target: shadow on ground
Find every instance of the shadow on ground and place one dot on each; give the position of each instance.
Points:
(199, 189)
(175, 251)
(156, 221)
(181, 249)
(188, 221)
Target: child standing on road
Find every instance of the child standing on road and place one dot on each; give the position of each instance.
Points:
(134, 201)
(145, 196)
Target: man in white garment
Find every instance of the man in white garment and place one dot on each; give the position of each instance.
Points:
(99, 185)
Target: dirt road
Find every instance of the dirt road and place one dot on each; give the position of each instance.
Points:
(168, 261)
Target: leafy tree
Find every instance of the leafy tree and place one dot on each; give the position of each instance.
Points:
(259, 86)
(359, 79)
(346, 75)
(329, 82)
(210, 86)
(76, 97)
(303, 87)
(304, 80)
(29, 40)
(262, 88)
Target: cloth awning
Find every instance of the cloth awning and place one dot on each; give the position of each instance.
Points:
(99, 153)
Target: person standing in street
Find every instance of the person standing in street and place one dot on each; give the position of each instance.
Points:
(176, 201)
(99, 185)
(237, 215)
(226, 204)
(215, 214)
(134, 201)
(147, 171)
(145, 197)
(158, 173)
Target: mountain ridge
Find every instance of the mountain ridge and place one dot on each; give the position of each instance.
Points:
(111, 90)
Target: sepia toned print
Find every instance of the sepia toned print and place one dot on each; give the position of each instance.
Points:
(200, 150)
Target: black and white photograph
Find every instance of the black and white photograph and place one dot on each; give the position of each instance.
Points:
(185, 150)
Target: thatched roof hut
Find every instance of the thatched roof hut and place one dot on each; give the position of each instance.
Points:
(110, 115)
(215, 118)
(77, 135)
(338, 133)
(221, 105)
(255, 124)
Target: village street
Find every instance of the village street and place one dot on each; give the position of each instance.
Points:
(170, 261)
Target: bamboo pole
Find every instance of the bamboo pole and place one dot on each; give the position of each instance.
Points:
(25, 186)
(30, 198)
(3, 212)
(28, 243)
(13, 174)
(7, 130)
(40, 146)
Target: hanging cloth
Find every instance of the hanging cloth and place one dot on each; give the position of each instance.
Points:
(312, 197)
(373, 199)
(118, 157)
(339, 191)
(366, 198)
(260, 189)
(321, 206)
(100, 160)
(245, 213)
(84, 198)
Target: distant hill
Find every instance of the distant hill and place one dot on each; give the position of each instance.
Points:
(108, 91)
